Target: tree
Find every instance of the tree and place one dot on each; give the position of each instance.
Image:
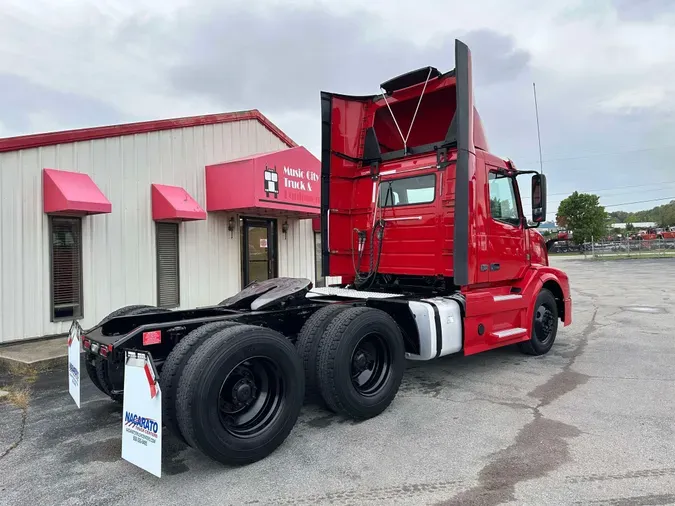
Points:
(582, 214)
(629, 224)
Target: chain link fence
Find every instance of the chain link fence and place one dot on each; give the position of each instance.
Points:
(620, 248)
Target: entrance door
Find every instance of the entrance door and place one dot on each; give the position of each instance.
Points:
(259, 249)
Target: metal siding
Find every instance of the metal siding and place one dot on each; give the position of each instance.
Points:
(119, 257)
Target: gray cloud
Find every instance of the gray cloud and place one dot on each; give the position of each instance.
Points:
(642, 10)
(277, 59)
(20, 99)
(280, 59)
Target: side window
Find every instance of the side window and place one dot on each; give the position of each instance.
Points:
(65, 243)
(408, 191)
(503, 204)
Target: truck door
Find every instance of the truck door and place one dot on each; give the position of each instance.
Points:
(411, 207)
(506, 237)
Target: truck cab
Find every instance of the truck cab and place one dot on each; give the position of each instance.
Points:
(413, 201)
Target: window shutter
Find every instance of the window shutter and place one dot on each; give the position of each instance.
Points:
(168, 287)
(66, 267)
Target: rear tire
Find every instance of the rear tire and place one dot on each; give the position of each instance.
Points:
(129, 310)
(307, 345)
(544, 325)
(112, 378)
(91, 372)
(175, 365)
(240, 394)
(361, 359)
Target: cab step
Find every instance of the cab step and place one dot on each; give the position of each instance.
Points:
(510, 333)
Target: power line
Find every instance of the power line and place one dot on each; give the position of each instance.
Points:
(626, 204)
(595, 155)
(611, 189)
(640, 202)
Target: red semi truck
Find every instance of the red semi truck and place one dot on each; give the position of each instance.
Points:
(427, 230)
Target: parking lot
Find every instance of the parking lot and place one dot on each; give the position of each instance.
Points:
(593, 422)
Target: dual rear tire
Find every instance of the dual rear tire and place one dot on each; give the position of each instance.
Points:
(354, 359)
(108, 376)
(233, 391)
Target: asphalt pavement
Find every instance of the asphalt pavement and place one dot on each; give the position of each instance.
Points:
(591, 423)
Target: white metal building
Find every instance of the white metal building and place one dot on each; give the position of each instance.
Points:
(95, 219)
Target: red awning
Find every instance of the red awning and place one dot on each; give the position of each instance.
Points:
(172, 203)
(282, 183)
(72, 193)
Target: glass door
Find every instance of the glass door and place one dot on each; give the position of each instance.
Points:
(259, 250)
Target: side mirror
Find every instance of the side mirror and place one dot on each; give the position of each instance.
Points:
(539, 198)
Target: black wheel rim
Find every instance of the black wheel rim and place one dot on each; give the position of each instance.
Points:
(251, 397)
(543, 323)
(370, 365)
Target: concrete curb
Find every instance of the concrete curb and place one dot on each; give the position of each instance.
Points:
(20, 368)
(34, 357)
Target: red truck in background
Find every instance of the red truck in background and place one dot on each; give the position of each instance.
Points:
(426, 228)
(652, 234)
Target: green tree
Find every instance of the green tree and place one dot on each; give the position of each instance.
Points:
(582, 214)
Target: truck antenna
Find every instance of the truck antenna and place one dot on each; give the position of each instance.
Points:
(536, 111)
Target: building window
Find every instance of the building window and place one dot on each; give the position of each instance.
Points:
(318, 272)
(65, 237)
(168, 286)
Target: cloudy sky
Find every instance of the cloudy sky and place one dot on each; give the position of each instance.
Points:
(604, 69)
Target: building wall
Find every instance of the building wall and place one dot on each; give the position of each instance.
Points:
(119, 260)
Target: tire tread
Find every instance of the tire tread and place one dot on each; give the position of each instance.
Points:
(308, 343)
(174, 367)
(326, 361)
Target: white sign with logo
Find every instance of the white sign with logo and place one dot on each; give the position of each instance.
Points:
(142, 414)
(74, 347)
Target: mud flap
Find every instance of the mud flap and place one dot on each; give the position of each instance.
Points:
(142, 408)
(74, 360)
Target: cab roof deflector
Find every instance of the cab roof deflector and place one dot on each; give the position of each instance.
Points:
(409, 79)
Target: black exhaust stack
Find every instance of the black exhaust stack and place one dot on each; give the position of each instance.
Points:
(465, 160)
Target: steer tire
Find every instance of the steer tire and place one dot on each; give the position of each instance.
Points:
(112, 378)
(544, 325)
(307, 345)
(366, 339)
(227, 363)
(175, 365)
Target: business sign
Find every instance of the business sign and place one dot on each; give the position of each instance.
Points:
(289, 184)
(74, 348)
(142, 414)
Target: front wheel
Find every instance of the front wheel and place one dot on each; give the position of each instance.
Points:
(544, 325)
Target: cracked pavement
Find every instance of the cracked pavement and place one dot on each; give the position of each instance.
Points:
(593, 422)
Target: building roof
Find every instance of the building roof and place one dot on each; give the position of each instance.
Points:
(86, 134)
(640, 224)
